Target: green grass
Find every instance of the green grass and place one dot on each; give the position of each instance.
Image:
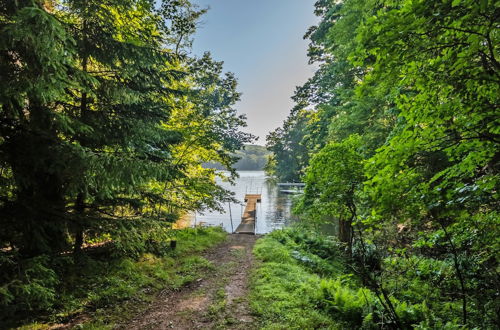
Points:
(283, 291)
(218, 307)
(112, 290)
(301, 282)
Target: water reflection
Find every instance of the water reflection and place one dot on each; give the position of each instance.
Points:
(273, 212)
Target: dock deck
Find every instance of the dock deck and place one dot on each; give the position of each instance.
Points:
(247, 225)
(291, 184)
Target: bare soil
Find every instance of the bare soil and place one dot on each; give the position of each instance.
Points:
(216, 301)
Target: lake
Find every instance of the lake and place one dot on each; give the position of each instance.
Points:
(273, 212)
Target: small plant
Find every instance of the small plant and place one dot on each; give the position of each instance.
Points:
(34, 289)
(217, 308)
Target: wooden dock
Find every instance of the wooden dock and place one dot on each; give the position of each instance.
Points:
(291, 184)
(247, 225)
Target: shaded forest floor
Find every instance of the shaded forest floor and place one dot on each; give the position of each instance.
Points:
(216, 300)
(202, 283)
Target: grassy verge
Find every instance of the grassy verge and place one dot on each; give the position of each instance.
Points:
(111, 290)
(286, 282)
(302, 281)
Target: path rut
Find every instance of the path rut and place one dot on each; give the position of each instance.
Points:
(217, 300)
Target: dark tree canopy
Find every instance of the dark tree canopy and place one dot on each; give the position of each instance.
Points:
(103, 117)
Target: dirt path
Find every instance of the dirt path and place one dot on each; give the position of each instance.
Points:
(218, 300)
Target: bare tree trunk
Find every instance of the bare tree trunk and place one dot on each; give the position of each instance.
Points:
(345, 233)
(379, 290)
(458, 272)
(79, 209)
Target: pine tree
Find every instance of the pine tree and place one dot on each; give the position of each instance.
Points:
(112, 117)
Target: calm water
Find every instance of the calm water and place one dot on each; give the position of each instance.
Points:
(273, 212)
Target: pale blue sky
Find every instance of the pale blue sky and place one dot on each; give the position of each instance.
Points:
(261, 42)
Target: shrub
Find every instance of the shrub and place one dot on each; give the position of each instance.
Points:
(34, 289)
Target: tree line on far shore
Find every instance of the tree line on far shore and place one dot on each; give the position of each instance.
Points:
(250, 158)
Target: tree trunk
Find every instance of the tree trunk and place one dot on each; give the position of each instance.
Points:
(80, 198)
(345, 233)
(79, 209)
(40, 204)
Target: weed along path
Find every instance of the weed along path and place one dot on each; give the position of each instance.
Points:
(216, 300)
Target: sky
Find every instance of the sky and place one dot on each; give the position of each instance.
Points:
(261, 42)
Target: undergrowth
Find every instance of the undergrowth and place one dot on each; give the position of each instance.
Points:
(304, 281)
(56, 289)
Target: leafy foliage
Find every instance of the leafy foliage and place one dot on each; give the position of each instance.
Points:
(288, 293)
(416, 83)
(333, 180)
(289, 154)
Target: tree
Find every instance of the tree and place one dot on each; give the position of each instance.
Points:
(333, 183)
(121, 106)
(290, 156)
(337, 107)
(105, 105)
(440, 167)
(36, 74)
(208, 127)
(418, 82)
